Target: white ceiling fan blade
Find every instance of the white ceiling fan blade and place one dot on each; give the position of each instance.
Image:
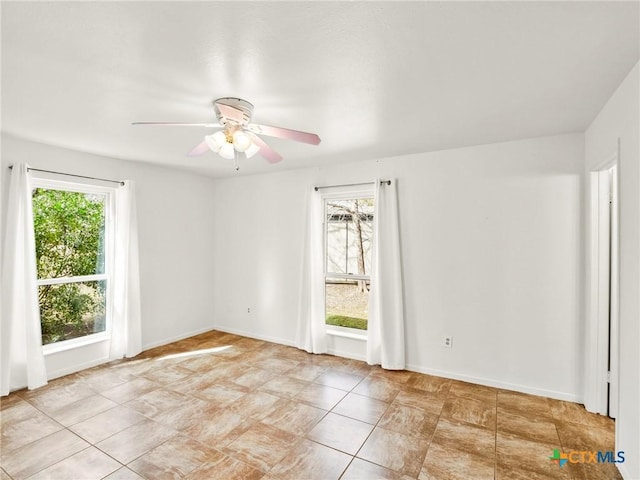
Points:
(231, 113)
(173, 124)
(287, 133)
(199, 149)
(268, 153)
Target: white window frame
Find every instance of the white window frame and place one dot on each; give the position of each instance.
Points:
(342, 193)
(109, 245)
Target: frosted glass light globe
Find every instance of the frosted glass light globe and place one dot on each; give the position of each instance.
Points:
(212, 143)
(241, 141)
(226, 151)
(220, 138)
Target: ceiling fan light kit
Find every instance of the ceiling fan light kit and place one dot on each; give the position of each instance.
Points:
(238, 138)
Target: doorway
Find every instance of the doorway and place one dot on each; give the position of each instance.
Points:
(601, 392)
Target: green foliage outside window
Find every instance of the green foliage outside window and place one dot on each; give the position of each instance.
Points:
(69, 233)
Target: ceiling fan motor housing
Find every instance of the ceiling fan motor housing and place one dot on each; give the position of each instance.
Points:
(239, 104)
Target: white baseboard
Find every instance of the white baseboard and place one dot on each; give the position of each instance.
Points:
(497, 384)
(350, 355)
(76, 368)
(182, 336)
(266, 338)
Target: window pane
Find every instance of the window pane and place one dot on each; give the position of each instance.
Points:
(347, 303)
(69, 229)
(72, 310)
(349, 231)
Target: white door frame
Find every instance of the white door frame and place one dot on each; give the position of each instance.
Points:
(602, 338)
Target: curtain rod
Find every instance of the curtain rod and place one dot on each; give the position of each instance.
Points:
(71, 175)
(382, 182)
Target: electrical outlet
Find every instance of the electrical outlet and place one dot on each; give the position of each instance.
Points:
(248, 309)
(447, 342)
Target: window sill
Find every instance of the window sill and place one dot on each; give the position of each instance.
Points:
(74, 343)
(346, 333)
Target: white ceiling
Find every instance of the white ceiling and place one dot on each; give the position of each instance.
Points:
(373, 79)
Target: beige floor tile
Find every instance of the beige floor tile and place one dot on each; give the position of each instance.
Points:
(434, 385)
(173, 459)
(574, 436)
(320, 396)
(257, 405)
(337, 379)
(49, 399)
(252, 378)
(409, 421)
(221, 394)
(378, 388)
(395, 451)
(576, 413)
(23, 431)
(360, 407)
(517, 453)
(311, 461)
(524, 404)
(599, 471)
(133, 367)
(130, 390)
(342, 433)
(82, 409)
(284, 386)
(93, 464)
(223, 467)
(105, 424)
(478, 392)
(413, 397)
(218, 429)
(168, 374)
(442, 463)
(103, 378)
(306, 372)
(539, 429)
(275, 364)
(156, 401)
(397, 376)
(124, 473)
(506, 472)
(295, 417)
(470, 410)
(192, 412)
(473, 439)
(14, 409)
(136, 440)
(250, 343)
(362, 470)
(35, 456)
(261, 446)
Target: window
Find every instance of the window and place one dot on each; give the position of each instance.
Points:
(348, 236)
(73, 235)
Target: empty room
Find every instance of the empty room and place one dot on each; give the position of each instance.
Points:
(320, 240)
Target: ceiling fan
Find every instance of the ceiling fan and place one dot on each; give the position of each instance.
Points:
(236, 137)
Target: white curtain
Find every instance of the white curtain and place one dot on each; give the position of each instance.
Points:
(311, 333)
(126, 334)
(385, 336)
(21, 335)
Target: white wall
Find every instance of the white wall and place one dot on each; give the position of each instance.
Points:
(619, 119)
(492, 254)
(175, 231)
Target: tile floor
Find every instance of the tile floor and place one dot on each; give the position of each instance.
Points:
(248, 409)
